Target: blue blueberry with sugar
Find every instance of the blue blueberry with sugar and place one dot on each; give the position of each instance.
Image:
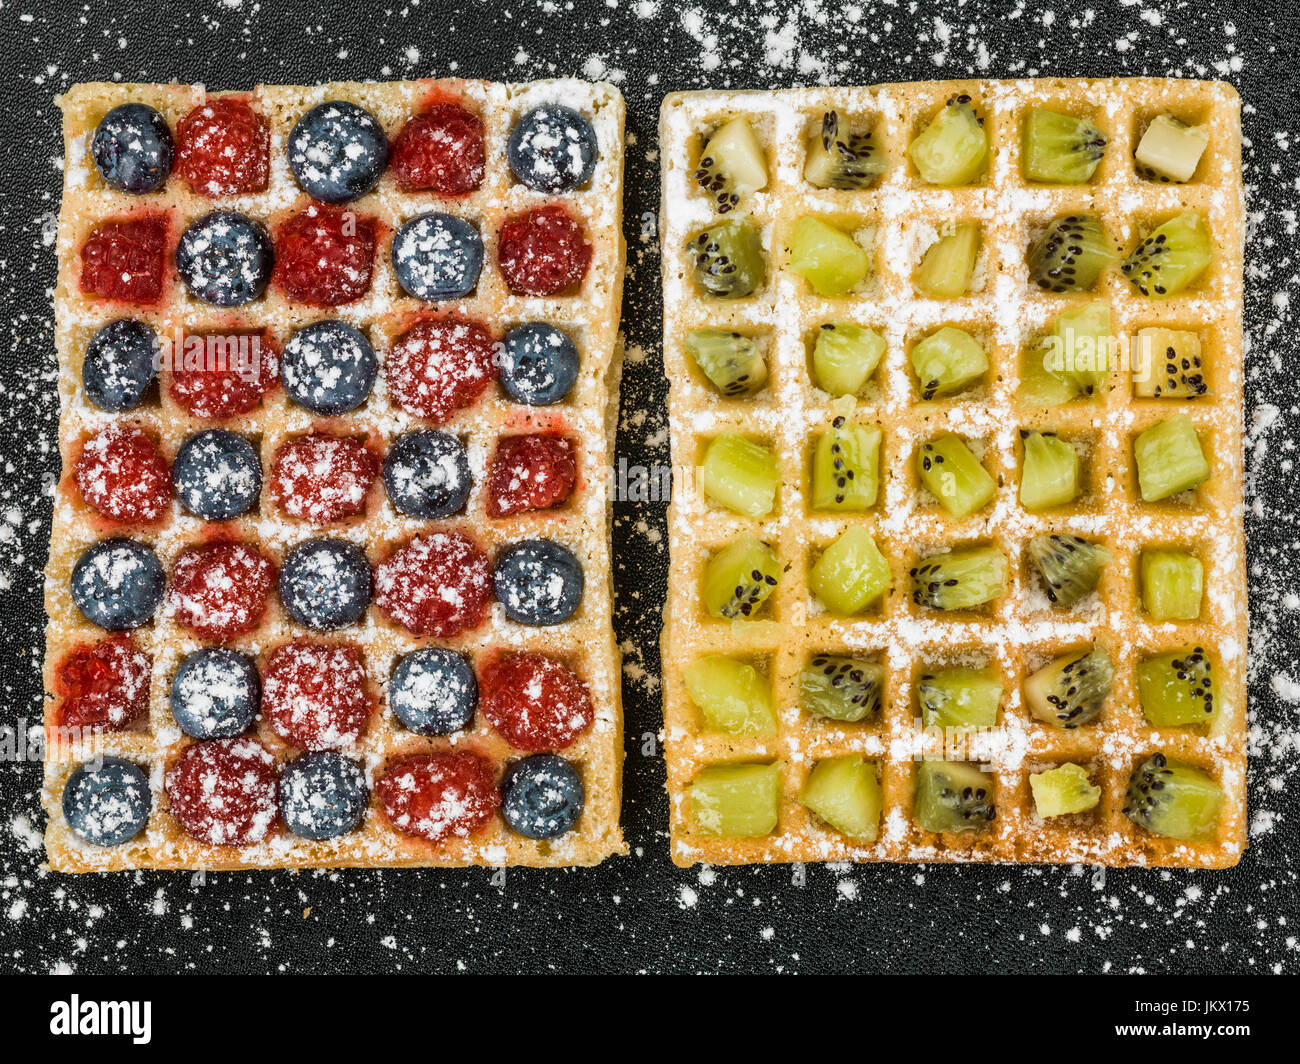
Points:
(552, 149)
(437, 256)
(225, 258)
(323, 795)
(120, 364)
(217, 475)
(427, 474)
(326, 583)
(433, 691)
(542, 796)
(118, 583)
(539, 364)
(215, 693)
(106, 802)
(133, 148)
(337, 151)
(538, 582)
(328, 367)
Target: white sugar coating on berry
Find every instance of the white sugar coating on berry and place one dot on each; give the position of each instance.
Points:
(435, 690)
(434, 250)
(318, 478)
(317, 691)
(209, 685)
(556, 146)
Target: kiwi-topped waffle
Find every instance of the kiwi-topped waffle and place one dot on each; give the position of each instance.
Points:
(958, 565)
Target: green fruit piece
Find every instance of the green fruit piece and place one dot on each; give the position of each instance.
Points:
(1079, 347)
(947, 361)
(1178, 688)
(1061, 149)
(949, 263)
(839, 158)
(846, 467)
(827, 258)
(740, 577)
(960, 579)
(1070, 254)
(1039, 387)
(1174, 799)
(732, 362)
(1169, 459)
(845, 356)
(960, 698)
(1063, 790)
(953, 475)
(727, 259)
(953, 149)
(841, 688)
(845, 792)
(1171, 258)
(1172, 584)
(1071, 690)
(851, 573)
(736, 801)
(1167, 363)
(952, 796)
(740, 474)
(1049, 475)
(1070, 566)
(731, 695)
(731, 165)
(1170, 150)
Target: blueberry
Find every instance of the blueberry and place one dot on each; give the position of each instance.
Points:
(337, 151)
(538, 582)
(433, 691)
(323, 795)
(133, 148)
(225, 258)
(427, 474)
(542, 796)
(328, 367)
(325, 583)
(215, 693)
(120, 364)
(437, 256)
(552, 149)
(217, 475)
(108, 805)
(117, 583)
(539, 364)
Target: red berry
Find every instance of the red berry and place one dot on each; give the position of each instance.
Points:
(125, 260)
(437, 795)
(324, 255)
(220, 589)
(122, 474)
(535, 702)
(103, 685)
(314, 694)
(322, 478)
(225, 791)
(441, 366)
(543, 251)
(223, 148)
(228, 377)
(533, 472)
(438, 584)
(439, 151)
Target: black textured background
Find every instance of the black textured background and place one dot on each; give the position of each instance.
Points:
(641, 913)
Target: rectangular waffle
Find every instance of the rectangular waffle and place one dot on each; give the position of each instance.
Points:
(897, 219)
(590, 317)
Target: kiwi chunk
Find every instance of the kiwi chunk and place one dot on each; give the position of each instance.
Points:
(739, 578)
(727, 259)
(1049, 474)
(840, 158)
(1061, 149)
(1174, 799)
(841, 688)
(845, 356)
(739, 474)
(1063, 790)
(846, 467)
(736, 801)
(850, 574)
(953, 149)
(1071, 690)
(829, 259)
(731, 695)
(1177, 688)
(953, 475)
(1171, 258)
(952, 796)
(1070, 254)
(1170, 150)
(947, 361)
(732, 362)
(960, 698)
(1167, 364)
(1039, 386)
(1070, 566)
(960, 579)
(948, 265)
(1173, 582)
(1079, 347)
(731, 165)
(845, 792)
(1169, 459)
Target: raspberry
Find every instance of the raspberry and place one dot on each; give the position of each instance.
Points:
(439, 151)
(223, 148)
(543, 251)
(314, 694)
(533, 472)
(441, 366)
(437, 584)
(437, 795)
(122, 474)
(228, 377)
(225, 792)
(322, 478)
(535, 702)
(220, 589)
(103, 685)
(124, 260)
(325, 255)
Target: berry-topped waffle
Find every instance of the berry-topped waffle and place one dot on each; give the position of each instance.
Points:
(958, 569)
(329, 576)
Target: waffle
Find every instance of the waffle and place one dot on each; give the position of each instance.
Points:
(897, 220)
(590, 317)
